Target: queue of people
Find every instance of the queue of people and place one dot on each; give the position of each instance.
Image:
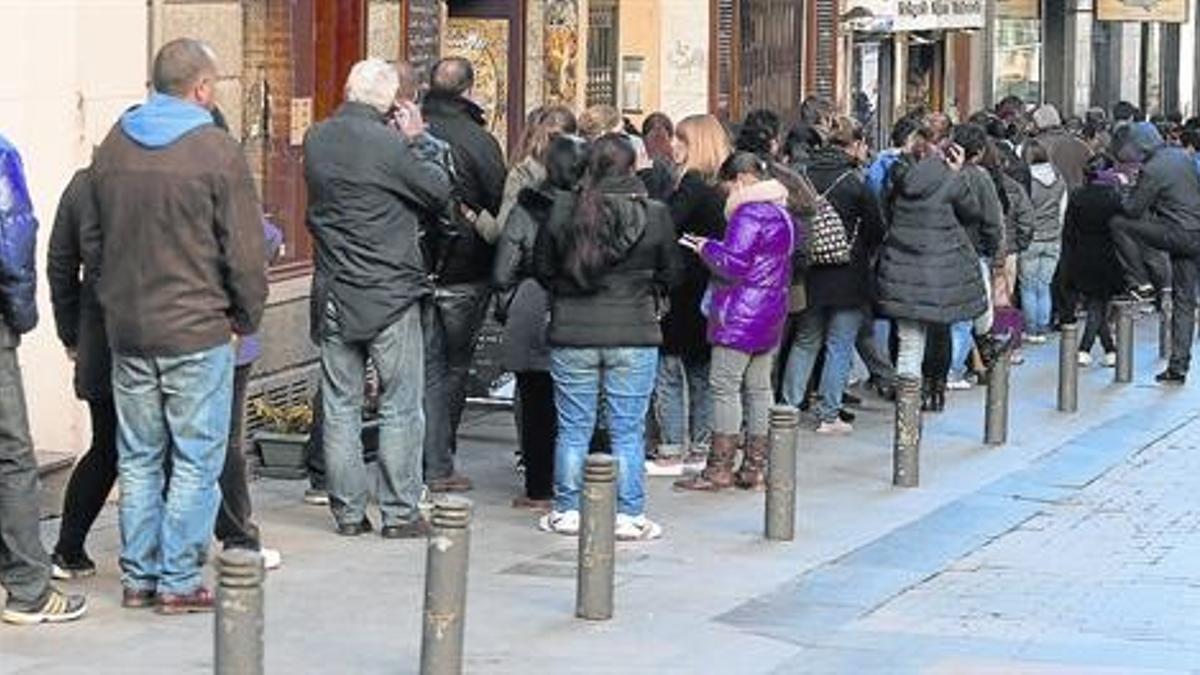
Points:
(688, 275)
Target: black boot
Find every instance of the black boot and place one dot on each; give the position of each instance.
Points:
(937, 397)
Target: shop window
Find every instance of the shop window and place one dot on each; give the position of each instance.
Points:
(602, 48)
(1018, 54)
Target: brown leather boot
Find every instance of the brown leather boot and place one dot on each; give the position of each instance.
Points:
(718, 474)
(754, 463)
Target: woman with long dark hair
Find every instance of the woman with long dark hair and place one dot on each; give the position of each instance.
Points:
(608, 257)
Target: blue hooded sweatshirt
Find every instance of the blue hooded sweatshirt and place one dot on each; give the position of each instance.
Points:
(162, 120)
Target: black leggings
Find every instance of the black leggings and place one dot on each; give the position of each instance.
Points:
(539, 430)
(1097, 326)
(91, 481)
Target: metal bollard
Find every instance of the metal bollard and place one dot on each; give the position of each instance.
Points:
(597, 539)
(1125, 338)
(1068, 369)
(446, 557)
(239, 618)
(1165, 327)
(995, 424)
(780, 518)
(906, 441)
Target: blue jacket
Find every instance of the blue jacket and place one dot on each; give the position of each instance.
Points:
(878, 178)
(18, 238)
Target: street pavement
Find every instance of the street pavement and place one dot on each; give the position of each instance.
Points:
(1072, 549)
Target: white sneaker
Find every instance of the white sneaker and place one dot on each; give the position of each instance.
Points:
(637, 528)
(1085, 359)
(1035, 339)
(835, 428)
(566, 523)
(272, 558)
(1110, 360)
(315, 497)
(669, 467)
(958, 384)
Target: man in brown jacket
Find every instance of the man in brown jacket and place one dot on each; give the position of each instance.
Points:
(181, 246)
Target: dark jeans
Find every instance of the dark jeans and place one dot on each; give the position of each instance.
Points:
(24, 565)
(1132, 239)
(539, 429)
(234, 528)
(91, 481)
(397, 352)
(881, 369)
(1097, 326)
(451, 321)
(314, 449)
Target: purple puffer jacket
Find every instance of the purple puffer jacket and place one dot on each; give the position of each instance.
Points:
(751, 271)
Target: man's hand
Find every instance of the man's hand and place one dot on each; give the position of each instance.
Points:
(412, 124)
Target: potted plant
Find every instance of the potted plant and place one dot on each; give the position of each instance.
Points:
(282, 440)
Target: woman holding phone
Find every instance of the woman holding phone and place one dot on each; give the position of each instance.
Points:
(747, 305)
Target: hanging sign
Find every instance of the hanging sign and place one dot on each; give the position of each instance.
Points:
(1162, 11)
(894, 16)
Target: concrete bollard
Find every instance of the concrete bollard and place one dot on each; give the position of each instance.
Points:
(995, 423)
(597, 539)
(906, 440)
(239, 617)
(1165, 327)
(447, 551)
(1125, 339)
(780, 516)
(1068, 369)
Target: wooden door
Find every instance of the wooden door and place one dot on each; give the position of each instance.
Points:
(324, 40)
(491, 34)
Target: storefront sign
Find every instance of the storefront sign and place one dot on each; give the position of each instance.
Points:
(1165, 11)
(1018, 9)
(892, 16)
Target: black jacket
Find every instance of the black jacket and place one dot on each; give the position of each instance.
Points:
(77, 313)
(1089, 257)
(479, 174)
(986, 226)
(623, 306)
(844, 286)
(1168, 188)
(697, 207)
(928, 267)
(524, 305)
(366, 187)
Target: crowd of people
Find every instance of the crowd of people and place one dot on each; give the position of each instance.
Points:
(684, 276)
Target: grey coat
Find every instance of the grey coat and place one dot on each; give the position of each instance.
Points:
(523, 305)
(928, 267)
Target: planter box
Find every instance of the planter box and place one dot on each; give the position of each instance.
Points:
(282, 454)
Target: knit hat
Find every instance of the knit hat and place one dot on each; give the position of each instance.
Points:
(1046, 117)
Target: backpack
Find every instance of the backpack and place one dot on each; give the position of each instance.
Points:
(828, 242)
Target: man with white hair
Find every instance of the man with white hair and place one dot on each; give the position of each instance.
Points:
(181, 271)
(368, 188)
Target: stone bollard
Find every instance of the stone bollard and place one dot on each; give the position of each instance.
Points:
(446, 558)
(597, 539)
(906, 440)
(1068, 369)
(780, 518)
(1125, 339)
(239, 617)
(1165, 327)
(995, 423)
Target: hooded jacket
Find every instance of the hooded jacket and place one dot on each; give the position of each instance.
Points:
(1018, 220)
(751, 270)
(479, 178)
(623, 304)
(366, 187)
(179, 232)
(18, 239)
(928, 267)
(1167, 189)
(1049, 200)
(1068, 153)
(524, 304)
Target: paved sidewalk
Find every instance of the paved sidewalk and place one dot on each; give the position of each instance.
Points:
(1065, 551)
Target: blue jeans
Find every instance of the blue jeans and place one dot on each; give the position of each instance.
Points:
(837, 329)
(626, 376)
(960, 347)
(1036, 273)
(398, 355)
(181, 405)
(682, 405)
